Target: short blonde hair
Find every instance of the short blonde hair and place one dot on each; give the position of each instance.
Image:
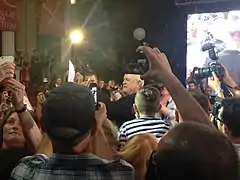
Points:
(137, 151)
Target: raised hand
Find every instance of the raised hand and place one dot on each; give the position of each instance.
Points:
(158, 62)
(17, 90)
(214, 82)
(101, 115)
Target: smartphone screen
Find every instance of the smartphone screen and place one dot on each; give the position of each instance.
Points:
(94, 90)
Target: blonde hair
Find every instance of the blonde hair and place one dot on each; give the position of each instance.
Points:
(104, 142)
(137, 151)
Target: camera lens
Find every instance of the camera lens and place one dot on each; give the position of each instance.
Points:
(201, 73)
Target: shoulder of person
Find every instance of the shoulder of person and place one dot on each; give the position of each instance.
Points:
(128, 98)
(119, 165)
(34, 160)
(28, 165)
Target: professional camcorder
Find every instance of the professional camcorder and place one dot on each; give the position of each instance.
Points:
(214, 66)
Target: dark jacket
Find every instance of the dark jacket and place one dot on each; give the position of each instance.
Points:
(122, 110)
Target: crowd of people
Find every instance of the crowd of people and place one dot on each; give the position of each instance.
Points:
(150, 128)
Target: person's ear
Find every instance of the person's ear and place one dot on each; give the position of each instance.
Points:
(159, 107)
(135, 108)
(178, 117)
(226, 131)
(140, 83)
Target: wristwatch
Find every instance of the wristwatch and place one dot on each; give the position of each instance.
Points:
(22, 109)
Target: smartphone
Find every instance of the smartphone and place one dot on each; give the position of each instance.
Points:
(6, 59)
(95, 92)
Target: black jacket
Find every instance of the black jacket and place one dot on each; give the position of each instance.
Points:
(122, 110)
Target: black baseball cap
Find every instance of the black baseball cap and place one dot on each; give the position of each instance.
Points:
(69, 113)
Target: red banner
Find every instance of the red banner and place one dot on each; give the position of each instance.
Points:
(52, 17)
(8, 15)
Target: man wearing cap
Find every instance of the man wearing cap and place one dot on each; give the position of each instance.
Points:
(70, 121)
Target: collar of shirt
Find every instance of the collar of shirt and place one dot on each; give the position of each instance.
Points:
(89, 158)
(149, 118)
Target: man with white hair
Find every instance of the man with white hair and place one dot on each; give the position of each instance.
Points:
(121, 111)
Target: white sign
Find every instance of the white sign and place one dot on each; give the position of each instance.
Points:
(71, 72)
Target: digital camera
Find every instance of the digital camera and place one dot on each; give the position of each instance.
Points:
(201, 73)
(214, 66)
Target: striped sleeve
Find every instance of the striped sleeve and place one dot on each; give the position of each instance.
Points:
(122, 135)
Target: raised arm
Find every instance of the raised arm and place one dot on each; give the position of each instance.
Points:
(31, 131)
(160, 70)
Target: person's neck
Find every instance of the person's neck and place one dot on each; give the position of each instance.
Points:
(146, 115)
(79, 149)
(73, 152)
(4, 146)
(16, 145)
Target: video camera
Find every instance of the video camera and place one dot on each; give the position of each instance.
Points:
(201, 73)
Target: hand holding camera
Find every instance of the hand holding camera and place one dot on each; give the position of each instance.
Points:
(17, 92)
(101, 114)
(158, 63)
(214, 83)
(7, 67)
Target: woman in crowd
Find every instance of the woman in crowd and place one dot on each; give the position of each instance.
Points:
(13, 143)
(137, 152)
(11, 130)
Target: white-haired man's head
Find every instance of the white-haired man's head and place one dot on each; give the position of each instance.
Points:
(132, 83)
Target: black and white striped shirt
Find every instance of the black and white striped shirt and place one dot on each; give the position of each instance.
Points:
(151, 125)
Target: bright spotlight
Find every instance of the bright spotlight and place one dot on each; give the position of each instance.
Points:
(72, 1)
(76, 36)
